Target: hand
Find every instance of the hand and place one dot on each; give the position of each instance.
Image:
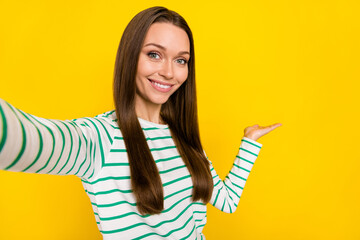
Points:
(256, 131)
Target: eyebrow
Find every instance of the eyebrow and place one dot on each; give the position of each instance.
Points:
(163, 48)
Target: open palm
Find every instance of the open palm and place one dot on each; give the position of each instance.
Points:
(255, 132)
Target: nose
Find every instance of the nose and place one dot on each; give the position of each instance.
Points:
(167, 70)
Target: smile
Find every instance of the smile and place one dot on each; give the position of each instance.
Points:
(160, 87)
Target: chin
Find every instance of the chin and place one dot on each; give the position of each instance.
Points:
(160, 101)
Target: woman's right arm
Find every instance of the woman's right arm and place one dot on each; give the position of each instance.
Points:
(38, 145)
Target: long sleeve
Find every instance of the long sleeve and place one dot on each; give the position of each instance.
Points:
(227, 193)
(37, 145)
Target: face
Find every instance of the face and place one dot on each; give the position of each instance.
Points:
(163, 63)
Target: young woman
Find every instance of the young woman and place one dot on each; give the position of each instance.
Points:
(142, 165)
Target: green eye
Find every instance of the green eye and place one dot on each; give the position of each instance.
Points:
(182, 61)
(153, 55)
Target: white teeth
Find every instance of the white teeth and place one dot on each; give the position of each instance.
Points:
(160, 85)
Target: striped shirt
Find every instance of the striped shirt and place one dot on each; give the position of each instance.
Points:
(93, 149)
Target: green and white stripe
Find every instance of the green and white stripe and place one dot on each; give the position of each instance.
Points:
(93, 149)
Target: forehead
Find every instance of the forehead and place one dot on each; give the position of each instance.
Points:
(169, 36)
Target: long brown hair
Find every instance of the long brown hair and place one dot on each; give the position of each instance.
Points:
(179, 112)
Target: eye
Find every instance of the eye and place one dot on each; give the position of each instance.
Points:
(153, 55)
(182, 61)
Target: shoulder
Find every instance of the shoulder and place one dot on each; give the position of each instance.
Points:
(108, 117)
(108, 121)
(101, 124)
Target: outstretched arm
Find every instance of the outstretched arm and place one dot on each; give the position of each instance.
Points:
(38, 145)
(227, 193)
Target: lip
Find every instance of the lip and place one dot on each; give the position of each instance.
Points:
(164, 90)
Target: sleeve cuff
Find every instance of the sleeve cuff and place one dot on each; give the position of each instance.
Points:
(249, 150)
(253, 142)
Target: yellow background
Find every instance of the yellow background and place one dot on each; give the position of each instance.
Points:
(258, 62)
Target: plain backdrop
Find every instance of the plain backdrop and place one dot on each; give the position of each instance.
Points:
(257, 62)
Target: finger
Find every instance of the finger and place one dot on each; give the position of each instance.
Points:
(271, 127)
(276, 125)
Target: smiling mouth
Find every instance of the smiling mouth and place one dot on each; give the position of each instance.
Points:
(160, 85)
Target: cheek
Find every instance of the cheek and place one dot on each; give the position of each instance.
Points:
(182, 75)
(145, 68)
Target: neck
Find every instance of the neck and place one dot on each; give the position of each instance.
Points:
(148, 111)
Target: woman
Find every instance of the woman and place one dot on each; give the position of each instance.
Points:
(142, 165)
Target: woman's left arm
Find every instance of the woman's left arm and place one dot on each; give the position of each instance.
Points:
(226, 193)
